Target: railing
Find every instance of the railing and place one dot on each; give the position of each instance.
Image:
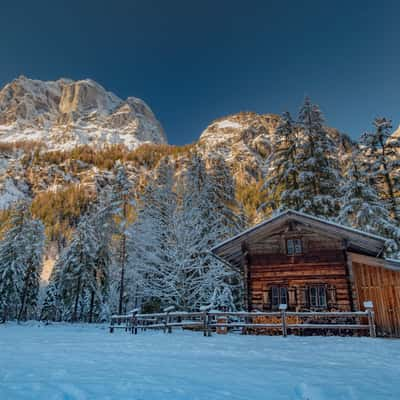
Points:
(279, 322)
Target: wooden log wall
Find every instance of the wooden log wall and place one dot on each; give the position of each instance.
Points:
(382, 286)
(322, 262)
(299, 276)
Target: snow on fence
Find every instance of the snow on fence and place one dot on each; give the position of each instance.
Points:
(278, 322)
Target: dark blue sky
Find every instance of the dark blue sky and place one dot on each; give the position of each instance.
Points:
(194, 61)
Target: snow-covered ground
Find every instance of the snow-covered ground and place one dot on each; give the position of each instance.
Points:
(80, 362)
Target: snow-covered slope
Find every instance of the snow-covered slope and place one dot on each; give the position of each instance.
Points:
(244, 140)
(66, 113)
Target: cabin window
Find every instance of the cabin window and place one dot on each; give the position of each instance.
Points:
(294, 247)
(279, 295)
(317, 296)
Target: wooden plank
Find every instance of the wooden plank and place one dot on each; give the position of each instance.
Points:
(382, 287)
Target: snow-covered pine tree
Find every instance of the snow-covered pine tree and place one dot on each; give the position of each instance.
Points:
(20, 264)
(80, 280)
(121, 192)
(361, 206)
(76, 271)
(223, 299)
(152, 242)
(103, 224)
(282, 181)
(382, 163)
(52, 306)
(34, 238)
(320, 174)
(206, 216)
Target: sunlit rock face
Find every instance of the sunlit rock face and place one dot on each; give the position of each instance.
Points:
(66, 113)
(245, 140)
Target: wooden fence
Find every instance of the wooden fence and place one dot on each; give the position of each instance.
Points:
(280, 322)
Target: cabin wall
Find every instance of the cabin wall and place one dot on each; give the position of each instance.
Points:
(382, 286)
(299, 275)
(322, 263)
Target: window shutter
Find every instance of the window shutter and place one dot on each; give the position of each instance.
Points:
(292, 300)
(290, 247)
(298, 246)
(267, 299)
(332, 296)
(306, 297)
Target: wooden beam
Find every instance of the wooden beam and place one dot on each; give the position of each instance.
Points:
(362, 259)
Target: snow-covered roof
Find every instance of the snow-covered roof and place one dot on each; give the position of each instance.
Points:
(231, 250)
(392, 264)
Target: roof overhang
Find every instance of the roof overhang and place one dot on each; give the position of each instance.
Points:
(386, 263)
(231, 250)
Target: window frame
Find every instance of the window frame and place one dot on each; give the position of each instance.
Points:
(318, 296)
(296, 246)
(278, 293)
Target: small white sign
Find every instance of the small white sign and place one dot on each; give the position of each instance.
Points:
(368, 304)
(283, 307)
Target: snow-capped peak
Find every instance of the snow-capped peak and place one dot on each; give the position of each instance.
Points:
(66, 113)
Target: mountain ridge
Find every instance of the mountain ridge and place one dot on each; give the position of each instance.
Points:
(66, 113)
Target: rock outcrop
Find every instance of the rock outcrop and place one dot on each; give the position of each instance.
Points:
(245, 141)
(66, 113)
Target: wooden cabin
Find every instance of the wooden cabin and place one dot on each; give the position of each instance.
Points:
(314, 265)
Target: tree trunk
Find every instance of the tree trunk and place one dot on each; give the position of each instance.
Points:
(123, 256)
(122, 280)
(389, 184)
(91, 307)
(78, 292)
(22, 309)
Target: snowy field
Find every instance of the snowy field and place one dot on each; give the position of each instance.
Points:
(81, 362)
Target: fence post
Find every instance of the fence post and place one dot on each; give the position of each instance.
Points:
(206, 319)
(369, 307)
(166, 322)
(222, 330)
(167, 310)
(169, 328)
(206, 327)
(112, 325)
(134, 324)
(283, 308)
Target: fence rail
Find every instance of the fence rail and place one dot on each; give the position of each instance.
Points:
(221, 322)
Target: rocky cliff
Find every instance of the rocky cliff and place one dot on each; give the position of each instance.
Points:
(67, 113)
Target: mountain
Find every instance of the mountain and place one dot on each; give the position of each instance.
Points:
(245, 140)
(51, 137)
(66, 113)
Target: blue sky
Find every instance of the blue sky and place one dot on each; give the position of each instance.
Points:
(194, 61)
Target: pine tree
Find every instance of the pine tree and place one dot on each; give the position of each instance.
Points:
(320, 174)
(76, 268)
(103, 224)
(121, 192)
(52, 306)
(206, 217)
(223, 299)
(382, 164)
(361, 206)
(170, 240)
(20, 264)
(34, 237)
(151, 240)
(282, 180)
